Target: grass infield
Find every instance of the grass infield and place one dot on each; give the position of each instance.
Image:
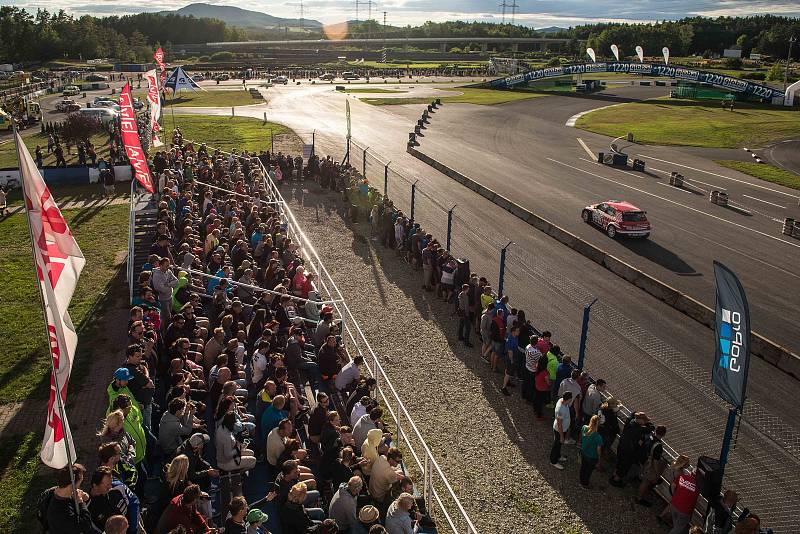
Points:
(764, 171)
(691, 123)
(203, 99)
(226, 133)
(468, 95)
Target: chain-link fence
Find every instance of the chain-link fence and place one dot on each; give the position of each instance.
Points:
(765, 480)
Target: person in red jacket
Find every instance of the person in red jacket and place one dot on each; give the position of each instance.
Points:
(182, 510)
(684, 496)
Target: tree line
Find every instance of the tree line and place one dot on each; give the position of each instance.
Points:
(47, 36)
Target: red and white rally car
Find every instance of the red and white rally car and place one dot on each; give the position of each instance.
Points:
(617, 217)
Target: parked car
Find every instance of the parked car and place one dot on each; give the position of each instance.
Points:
(616, 217)
(198, 77)
(327, 76)
(105, 115)
(96, 78)
(222, 77)
(281, 79)
(71, 90)
(350, 76)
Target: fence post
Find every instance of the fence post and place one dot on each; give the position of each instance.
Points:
(386, 180)
(399, 426)
(265, 117)
(233, 114)
(376, 374)
(364, 163)
(313, 141)
(427, 476)
(502, 269)
(413, 198)
(584, 333)
(450, 225)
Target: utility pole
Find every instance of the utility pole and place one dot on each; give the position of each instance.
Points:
(504, 5)
(513, 7)
(792, 40)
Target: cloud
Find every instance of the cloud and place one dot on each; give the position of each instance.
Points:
(537, 13)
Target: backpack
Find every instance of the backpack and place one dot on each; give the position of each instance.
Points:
(42, 504)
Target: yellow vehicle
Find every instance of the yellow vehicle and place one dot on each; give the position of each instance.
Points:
(6, 122)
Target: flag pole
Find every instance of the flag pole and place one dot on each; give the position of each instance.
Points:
(59, 403)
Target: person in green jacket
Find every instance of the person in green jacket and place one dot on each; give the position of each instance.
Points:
(183, 281)
(552, 364)
(120, 397)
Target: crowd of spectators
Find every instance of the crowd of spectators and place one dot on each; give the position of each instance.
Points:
(235, 382)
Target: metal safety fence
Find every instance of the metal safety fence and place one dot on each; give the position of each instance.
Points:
(597, 333)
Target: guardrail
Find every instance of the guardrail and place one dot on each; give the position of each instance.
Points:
(131, 238)
(409, 435)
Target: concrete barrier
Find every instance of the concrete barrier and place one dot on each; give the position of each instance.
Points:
(762, 347)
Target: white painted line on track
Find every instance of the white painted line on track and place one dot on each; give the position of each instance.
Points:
(659, 170)
(586, 148)
(720, 176)
(675, 202)
(737, 251)
(675, 188)
(765, 202)
(715, 186)
(572, 120)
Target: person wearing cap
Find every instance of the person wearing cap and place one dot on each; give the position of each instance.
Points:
(368, 517)
(255, 520)
(199, 470)
(119, 385)
(684, 495)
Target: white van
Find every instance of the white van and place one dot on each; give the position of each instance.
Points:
(347, 75)
(105, 115)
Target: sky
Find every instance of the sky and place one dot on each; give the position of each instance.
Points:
(536, 13)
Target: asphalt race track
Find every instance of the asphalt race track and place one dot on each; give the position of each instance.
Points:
(655, 359)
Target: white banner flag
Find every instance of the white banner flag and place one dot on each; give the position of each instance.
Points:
(665, 51)
(640, 53)
(615, 51)
(590, 51)
(59, 262)
(154, 98)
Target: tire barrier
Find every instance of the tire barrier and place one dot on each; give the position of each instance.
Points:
(676, 179)
(764, 348)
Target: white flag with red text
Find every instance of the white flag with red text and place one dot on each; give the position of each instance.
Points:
(129, 132)
(154, 98)
(59, 262)
(159, 57)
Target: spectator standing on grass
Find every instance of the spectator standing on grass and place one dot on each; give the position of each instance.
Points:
(61, 515)
(560, 428)
(684, 496)
(464, 323)
(591, 447)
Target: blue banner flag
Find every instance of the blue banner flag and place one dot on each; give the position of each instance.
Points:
(732, 331)
(180, 80)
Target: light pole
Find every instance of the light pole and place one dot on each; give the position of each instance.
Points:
(792, 40)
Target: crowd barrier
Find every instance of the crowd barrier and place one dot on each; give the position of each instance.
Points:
(439, 220)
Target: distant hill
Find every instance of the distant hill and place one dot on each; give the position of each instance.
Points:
(550, 29)
(243, 18)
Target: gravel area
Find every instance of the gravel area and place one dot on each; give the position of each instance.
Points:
(490, 447)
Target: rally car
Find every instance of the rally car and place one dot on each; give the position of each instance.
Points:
(617, 217)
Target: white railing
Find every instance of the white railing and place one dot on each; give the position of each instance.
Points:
(408, 434)
(131, 240)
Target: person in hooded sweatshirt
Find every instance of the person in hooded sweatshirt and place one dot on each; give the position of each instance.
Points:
(344, 505)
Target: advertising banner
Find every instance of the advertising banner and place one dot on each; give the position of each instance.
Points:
(159, 57)
(154, 98)
(732, 334)
(615, 51)
(640, 53)
(130, 138)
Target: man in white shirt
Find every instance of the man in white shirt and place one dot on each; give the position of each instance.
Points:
(572, 385)
(260, 362)
(360, 409)
(349, 374)
(276, 441)
(560, 428)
